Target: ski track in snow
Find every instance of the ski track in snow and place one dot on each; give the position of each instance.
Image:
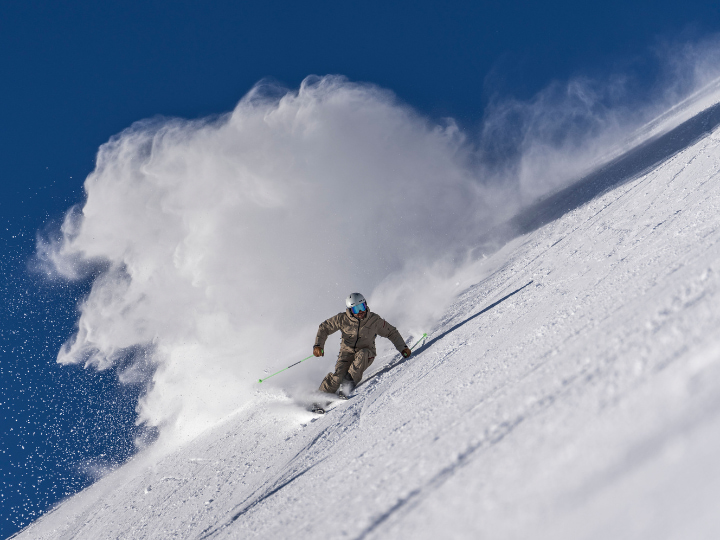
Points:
(586, 404)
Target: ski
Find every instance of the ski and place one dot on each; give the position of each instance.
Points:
(317, 408)
(320, 408)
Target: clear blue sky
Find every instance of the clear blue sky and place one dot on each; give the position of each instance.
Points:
(74, 73)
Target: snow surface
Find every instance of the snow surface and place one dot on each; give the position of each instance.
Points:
(584, 405)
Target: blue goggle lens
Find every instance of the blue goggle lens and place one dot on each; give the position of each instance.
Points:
(357, 309)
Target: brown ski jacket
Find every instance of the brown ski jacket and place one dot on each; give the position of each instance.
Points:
(358, 334)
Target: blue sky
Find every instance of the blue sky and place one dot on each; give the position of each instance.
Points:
(75, 73)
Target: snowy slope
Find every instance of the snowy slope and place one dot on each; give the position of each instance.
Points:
(584, 405)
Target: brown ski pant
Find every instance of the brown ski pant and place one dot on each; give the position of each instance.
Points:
(353, 363)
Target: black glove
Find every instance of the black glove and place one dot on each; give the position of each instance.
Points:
(406, 352)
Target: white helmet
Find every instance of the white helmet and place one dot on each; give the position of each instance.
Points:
(356, 302)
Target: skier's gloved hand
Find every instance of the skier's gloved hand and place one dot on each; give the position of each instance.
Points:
(406, 352)
(318, 351)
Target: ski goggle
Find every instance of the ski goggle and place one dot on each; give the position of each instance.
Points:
(360, 307)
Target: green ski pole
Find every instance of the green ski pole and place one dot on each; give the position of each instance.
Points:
(309, 357)
(295, 364)
(418, 341)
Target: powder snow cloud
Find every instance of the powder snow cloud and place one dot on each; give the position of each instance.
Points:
(225, 242)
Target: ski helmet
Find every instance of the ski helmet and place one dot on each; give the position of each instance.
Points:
(354, 301)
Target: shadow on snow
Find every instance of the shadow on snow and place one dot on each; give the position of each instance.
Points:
(399, 361)
(625, 168)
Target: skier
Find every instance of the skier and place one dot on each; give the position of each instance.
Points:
(358, 326)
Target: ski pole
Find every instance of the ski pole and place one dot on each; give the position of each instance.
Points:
(418, 341)
(308, 358)
(295, 364)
